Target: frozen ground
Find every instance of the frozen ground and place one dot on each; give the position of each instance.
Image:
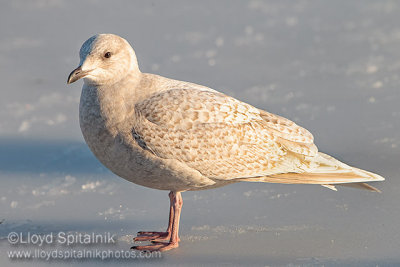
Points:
(331, 66)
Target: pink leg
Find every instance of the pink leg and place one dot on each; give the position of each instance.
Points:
(159, 236)
(171, 235)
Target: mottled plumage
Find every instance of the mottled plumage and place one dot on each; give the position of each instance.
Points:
(178, 136)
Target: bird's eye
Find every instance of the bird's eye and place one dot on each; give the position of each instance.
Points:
(107, 55)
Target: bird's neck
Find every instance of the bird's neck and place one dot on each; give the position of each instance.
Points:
(116, 102)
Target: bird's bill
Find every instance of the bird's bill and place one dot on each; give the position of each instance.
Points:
(76, 74)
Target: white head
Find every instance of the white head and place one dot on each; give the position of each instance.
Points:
(104, 59)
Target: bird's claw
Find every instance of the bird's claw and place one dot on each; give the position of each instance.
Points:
(157, 246)
(152, 236)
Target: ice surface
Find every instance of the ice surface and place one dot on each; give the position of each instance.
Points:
(331, 66)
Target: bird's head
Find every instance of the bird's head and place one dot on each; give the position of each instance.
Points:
(104, 59)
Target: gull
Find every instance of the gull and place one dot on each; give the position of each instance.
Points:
(179, 136)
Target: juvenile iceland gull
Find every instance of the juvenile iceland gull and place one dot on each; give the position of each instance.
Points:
(179, 136)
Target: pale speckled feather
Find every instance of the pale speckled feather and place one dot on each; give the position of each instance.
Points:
(175, 135)
(222, 137)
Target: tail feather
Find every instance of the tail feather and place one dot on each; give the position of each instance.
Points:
(363, 186)
(326, 171)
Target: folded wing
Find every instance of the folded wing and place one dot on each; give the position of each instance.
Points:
(224, 138)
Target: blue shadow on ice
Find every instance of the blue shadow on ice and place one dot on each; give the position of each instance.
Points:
(39, 156)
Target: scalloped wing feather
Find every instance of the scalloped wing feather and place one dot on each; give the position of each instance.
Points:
(221, 137)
